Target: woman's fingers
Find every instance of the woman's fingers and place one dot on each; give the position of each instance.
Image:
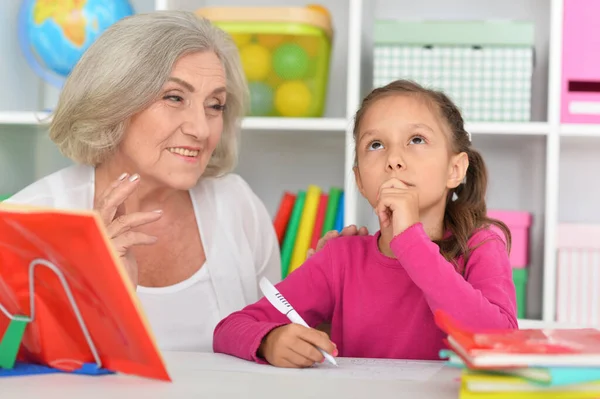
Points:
(114, 196)
(125, 223)
(323, 240)
(350, 230)
(131, 238)
(112, 186)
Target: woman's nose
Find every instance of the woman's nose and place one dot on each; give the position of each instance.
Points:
(196, 124)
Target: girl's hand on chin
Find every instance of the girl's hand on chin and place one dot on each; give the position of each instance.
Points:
(397, 206)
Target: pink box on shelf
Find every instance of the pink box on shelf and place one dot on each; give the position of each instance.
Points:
(518, 224)
(580, 80)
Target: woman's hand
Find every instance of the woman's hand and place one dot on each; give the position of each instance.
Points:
(295, 346)
(398, 206)
(351, 230)
(120, 224)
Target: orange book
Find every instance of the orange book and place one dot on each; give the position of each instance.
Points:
(283, 214)
(321, 210)
(76, 244)
(510, 348)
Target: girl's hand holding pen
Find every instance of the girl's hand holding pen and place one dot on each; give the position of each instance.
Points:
(295, 346)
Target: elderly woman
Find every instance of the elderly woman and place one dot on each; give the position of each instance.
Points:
(149, 115)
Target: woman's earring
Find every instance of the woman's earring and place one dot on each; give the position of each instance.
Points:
(454, 196)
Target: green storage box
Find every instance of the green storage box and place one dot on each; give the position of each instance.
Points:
(484, 66)
(520, 280)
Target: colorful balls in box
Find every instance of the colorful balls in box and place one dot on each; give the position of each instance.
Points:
(291, 61)
(256, 61)
(261, 99)
(293, 98)
(285, 56)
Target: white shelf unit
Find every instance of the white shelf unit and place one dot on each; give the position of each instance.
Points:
(579, 130)
(33, 118)
(26, 118)
(535, 166)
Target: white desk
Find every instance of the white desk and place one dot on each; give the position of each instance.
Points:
(192, 379)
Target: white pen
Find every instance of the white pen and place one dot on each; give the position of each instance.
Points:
(280, 303)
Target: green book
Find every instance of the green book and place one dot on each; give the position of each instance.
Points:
(287, 247)
(332, 205)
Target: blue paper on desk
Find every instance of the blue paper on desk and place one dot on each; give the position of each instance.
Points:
(21, 369)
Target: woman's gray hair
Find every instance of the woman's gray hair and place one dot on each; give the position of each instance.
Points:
(123, 72)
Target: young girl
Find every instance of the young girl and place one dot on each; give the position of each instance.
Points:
(416, 167)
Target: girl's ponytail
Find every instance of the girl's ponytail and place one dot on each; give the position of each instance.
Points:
(466, 210)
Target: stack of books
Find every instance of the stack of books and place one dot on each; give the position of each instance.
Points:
(529, 363)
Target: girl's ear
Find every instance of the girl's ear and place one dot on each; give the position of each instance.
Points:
(457, 169)
(358, 180)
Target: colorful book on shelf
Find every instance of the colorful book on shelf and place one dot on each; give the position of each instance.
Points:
(314, 213)
(320, 219)
(291, 233)
(332, 207)
(80, 294)
(283, 215)
(339, 216)
(512, 348)
(305, 229)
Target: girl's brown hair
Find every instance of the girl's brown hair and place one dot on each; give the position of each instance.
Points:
(468, 212)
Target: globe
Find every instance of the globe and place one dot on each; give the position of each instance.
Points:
(53, 34)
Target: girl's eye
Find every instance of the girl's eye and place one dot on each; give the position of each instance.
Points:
(417, 140)
(375, 145)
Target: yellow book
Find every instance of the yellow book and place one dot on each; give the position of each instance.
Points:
(481, 385)
(305, 230)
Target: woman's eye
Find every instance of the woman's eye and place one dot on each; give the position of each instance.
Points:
(417, 140)
(215, 109)
(375, 145)
(174, 98)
